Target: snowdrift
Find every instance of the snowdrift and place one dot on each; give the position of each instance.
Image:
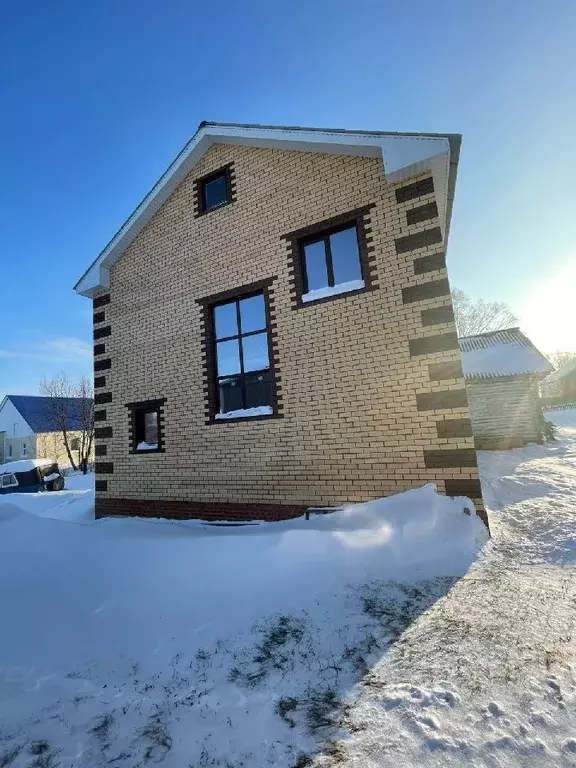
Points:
(85, 605)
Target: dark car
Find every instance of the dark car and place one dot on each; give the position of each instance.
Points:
(30, 476)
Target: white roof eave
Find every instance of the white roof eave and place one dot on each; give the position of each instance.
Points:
(403, 155)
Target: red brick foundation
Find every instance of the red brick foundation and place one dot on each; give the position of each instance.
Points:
(198, 510)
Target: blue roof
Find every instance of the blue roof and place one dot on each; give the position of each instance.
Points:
(39, 415)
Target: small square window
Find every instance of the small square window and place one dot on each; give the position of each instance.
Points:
(146, 419)
(214, 191)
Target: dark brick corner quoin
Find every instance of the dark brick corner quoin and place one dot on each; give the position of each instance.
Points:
(418, 240)
(434, 289)
(103, 332)
(445, 371)
(101, 301)
(450, 458)
(202, 510)
(360, 218)
(428, 345)
(104, 468)
(442, 400)
(430, 263)
(229, 171)
(208, 350)
(454, 428)
(414, 190)
(146, 405)
(437, 315)
(422, 213)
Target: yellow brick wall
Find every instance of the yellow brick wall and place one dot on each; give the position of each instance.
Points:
(350, 430)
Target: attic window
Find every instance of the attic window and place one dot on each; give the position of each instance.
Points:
(215, 190)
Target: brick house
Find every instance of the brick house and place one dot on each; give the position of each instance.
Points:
(503, 371)
(273, 328)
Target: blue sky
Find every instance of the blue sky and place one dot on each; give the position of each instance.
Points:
(98, 97)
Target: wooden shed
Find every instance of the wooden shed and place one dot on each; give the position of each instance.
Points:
(503, 370)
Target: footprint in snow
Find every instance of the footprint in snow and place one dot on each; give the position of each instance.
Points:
(494, 709)
(569, 746)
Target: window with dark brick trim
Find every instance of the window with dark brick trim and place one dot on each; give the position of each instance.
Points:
(242, 376)
(331, 262)
(146, 426)
(215, 190)
(332, 258)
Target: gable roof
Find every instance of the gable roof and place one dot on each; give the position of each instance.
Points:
(501, 354)
(37, 414)
(403, 154)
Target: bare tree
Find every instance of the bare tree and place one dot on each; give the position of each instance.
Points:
(560, 358)
(475, 316)
(72, 417)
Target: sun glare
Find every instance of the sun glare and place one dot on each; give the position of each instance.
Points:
(547, 315)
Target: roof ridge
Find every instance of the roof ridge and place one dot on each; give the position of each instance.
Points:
(491, 333)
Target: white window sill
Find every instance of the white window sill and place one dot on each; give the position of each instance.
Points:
(147, 447)
(334, 290)
(246, 413)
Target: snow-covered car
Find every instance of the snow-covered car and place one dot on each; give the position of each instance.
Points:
(30, 476)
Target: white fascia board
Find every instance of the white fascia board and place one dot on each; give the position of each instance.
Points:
(402, 155)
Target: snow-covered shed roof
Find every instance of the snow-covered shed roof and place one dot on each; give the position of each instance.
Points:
(403, 155)
(39, 415)
(566, 371)
(501, 354)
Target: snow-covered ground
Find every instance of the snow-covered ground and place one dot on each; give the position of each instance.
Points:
(377, 636)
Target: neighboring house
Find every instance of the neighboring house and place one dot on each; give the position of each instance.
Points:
(28, 429)
(503, 370)
(560, 386)
(273, 328)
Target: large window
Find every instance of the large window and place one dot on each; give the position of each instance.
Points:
(242, 358)
(331, 263)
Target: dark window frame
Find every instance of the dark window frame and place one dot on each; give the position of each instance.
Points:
(138, 410)
(324, 237)
(209, 349)
(227, 171)
(297, 240)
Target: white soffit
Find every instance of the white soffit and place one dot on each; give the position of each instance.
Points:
(403, 155)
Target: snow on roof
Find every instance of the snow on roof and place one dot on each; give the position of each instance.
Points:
(568, 370)
(39, 416)
(402, 154)
(25, 465)
(500, 354)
